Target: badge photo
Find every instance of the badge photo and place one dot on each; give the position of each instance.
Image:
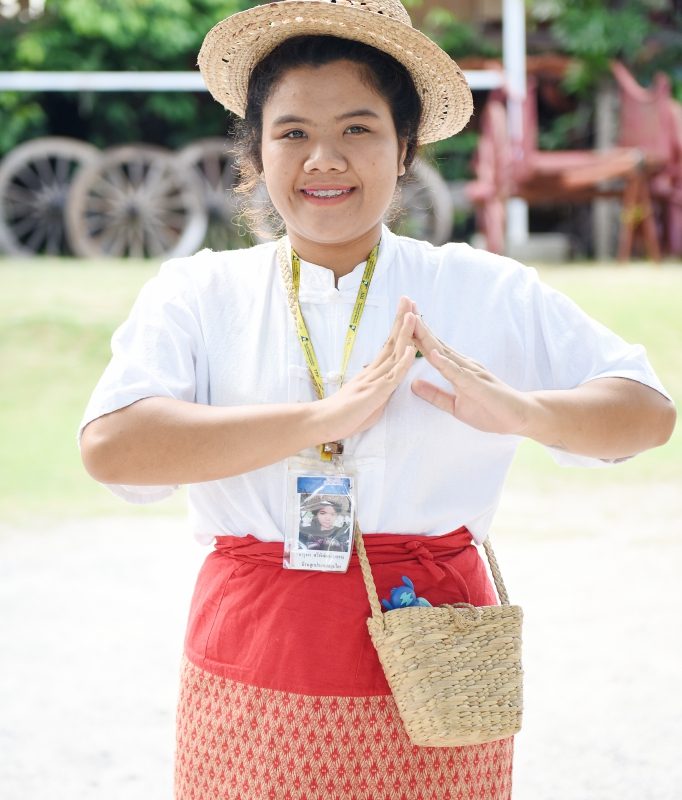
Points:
(320, 523)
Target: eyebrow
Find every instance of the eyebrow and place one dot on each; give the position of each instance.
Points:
(288, 119)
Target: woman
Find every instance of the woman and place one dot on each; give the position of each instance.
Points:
(213, 383)
(323, 533)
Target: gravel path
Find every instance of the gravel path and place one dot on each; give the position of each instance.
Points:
(93, 615)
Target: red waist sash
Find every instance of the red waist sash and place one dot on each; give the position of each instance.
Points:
(306, 632)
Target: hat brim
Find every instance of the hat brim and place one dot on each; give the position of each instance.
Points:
(233, 47)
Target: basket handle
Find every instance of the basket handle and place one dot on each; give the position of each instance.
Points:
(370, 586)
(368, 578)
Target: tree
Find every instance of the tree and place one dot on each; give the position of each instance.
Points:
(111, 35)
(646, 35)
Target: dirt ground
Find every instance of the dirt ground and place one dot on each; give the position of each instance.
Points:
(93, 615)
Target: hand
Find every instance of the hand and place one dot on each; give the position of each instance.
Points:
(359, 403)
(479, 398)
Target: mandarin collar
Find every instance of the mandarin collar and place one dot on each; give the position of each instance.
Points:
(318, 278)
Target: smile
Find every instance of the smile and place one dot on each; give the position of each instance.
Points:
(326, 193)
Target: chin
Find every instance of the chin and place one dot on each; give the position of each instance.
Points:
(322, 235)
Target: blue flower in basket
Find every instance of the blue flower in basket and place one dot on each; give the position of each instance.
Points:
(404, 596)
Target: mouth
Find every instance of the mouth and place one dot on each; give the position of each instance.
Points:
(327, 194)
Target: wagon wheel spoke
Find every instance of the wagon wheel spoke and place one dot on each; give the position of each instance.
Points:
(29, 177)
(19, 195)
(28, 223)
(427, 205)
(212, 161)
(44, 171)
(54, 239)
(35, 181)
(159, 240)
(110, 187)
(172, 220)
(136, 202)
(134, 171)
(117, 241)
(37, 238)
(62, 171)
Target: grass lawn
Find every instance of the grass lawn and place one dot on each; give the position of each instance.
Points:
(56, 318)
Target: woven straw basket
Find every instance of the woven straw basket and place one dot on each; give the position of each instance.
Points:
(454, 670)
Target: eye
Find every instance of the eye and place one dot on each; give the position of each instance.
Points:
(295, 134)
(356, 129)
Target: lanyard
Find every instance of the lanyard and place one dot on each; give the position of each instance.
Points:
(331, 448)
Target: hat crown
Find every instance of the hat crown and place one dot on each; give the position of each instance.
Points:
(233, 48)
(391, 9)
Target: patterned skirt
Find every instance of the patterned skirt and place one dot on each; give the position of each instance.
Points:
(282, 695)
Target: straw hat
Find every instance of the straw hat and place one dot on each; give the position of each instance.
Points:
(234, 46)
(315, 505)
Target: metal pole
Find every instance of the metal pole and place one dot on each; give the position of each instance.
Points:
(514, 57)
(22, 81)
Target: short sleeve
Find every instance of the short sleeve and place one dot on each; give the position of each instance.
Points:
(157, 352)
(568, 348)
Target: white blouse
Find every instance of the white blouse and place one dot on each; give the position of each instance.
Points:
(216, 329)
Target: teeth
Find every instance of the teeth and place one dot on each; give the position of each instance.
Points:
(326, 192)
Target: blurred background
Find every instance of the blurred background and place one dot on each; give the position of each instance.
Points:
(113, 158)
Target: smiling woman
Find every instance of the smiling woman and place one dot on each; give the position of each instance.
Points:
(375, 101)
(271, 380)
(330, 153)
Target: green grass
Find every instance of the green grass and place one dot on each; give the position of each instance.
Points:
(56, 319)
(643, 303)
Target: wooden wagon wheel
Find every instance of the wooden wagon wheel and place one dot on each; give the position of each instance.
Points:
(217, 172)
(35, 180)
(426, 205)
(136, 202)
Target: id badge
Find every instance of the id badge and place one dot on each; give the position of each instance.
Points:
(320, 517)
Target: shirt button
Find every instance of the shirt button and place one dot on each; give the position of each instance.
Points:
(332, 295)
(334, 377)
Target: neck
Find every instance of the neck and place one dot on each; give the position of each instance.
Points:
(341, 258)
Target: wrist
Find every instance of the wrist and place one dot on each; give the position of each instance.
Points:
(320, 422)
(541, 419)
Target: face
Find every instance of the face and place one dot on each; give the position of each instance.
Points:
(331, 159)
(326, 517)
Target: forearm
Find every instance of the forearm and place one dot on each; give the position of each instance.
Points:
(160, 441)
(607, 418)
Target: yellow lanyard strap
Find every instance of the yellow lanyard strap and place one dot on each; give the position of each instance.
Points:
(291, 275)
(302, 328)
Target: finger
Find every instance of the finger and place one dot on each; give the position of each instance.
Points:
(394, 348)
(404, 307)
(438, 397)
(406, 334)
(446, 364)
(403, 365)
(426, 340)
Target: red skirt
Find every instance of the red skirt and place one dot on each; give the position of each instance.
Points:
(283, 696)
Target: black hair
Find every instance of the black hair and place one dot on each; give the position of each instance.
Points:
(383, 73)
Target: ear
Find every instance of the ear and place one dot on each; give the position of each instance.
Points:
(402, 153)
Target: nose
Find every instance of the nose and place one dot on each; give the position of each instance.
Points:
(325, 157)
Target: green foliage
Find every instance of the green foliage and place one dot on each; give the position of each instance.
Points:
(596, 33)
(646, 35)
(458, 39)
(569, 130)
(93, 35)
(23, 118)
(453, 156)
